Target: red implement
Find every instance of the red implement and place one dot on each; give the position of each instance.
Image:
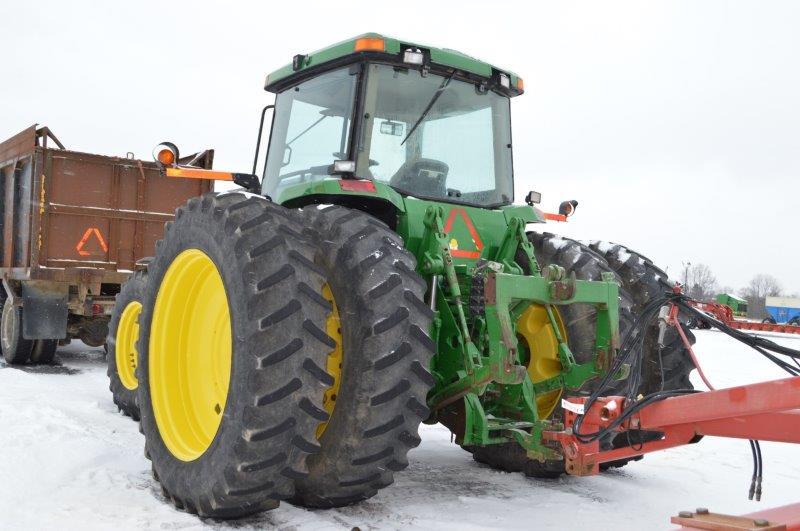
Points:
(724, 313)
(766, 411)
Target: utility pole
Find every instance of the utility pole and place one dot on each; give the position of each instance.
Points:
(686, 266)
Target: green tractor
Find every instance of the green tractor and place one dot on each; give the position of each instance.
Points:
(293, 335)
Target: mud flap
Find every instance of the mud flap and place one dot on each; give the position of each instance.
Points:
(44, 310)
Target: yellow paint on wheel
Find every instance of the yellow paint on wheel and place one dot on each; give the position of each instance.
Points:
(542, 343)
(126, 356)
(334, 364)
(190, 354)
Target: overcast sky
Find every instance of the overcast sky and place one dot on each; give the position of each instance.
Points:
(675, 124)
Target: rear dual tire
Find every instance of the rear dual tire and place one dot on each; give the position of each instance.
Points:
(640, 280)
(644, 281)
(580, 323)
(383, 380)
(250, 456)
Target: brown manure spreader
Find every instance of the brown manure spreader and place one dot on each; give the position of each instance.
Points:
(72, 228)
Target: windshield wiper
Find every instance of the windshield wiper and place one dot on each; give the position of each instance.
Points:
(439, 91)
(306, 130)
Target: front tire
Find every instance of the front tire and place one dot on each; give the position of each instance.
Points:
(233, 319)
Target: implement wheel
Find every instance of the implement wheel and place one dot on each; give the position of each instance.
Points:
(123, 333)
(232, 356)
(16, 349)
(380, 364)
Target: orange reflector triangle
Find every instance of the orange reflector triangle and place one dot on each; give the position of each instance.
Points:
(88, 234)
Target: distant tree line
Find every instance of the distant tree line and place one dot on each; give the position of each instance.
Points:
(701, 284)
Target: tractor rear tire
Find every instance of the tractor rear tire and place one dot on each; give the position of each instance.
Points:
(234, 296)
(16, 349)
(579, 321)
(121, 354)
(645, 281)
(384, 378)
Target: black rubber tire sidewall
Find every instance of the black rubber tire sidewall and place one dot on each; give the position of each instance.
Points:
(16, 349)
(44, 351)
(259, 449)
(380, 403)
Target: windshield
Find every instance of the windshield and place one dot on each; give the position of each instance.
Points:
(436, 137)
(310, 130)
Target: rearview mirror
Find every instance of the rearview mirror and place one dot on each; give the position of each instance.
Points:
(389, 127)
(249, 182)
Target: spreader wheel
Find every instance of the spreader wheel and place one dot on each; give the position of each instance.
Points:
(44, 351)
(16, 349)
(376, 398)
(232, 354)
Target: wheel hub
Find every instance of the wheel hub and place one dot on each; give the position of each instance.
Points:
(333, 327)
(126, 355)
(538, 335)
(190, 354)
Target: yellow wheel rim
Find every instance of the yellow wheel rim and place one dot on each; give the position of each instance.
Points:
(334, 364)
(539, 336)
(190, 354)
(125, 354)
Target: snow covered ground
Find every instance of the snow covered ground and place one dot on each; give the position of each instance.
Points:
(70, 461)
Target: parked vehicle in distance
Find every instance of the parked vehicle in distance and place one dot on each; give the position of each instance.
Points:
(72, 228)
(783, 310)
(737, 304)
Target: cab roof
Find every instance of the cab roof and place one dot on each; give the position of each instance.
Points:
(377, 46)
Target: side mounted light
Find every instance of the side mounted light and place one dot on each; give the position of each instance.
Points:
(413, 56)
(343, 166)
(505, 81)
(166, 154)
(533, 198)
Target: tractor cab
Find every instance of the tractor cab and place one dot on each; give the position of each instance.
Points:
(428, 123)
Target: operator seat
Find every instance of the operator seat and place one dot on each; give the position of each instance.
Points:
(426, 177)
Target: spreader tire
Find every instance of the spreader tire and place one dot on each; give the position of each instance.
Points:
(233, 314)
(121, 354)
(44, 351)
(16, 349)
(386, 351)
(580, 322)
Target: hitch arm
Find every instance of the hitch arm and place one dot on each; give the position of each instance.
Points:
(766, 411)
